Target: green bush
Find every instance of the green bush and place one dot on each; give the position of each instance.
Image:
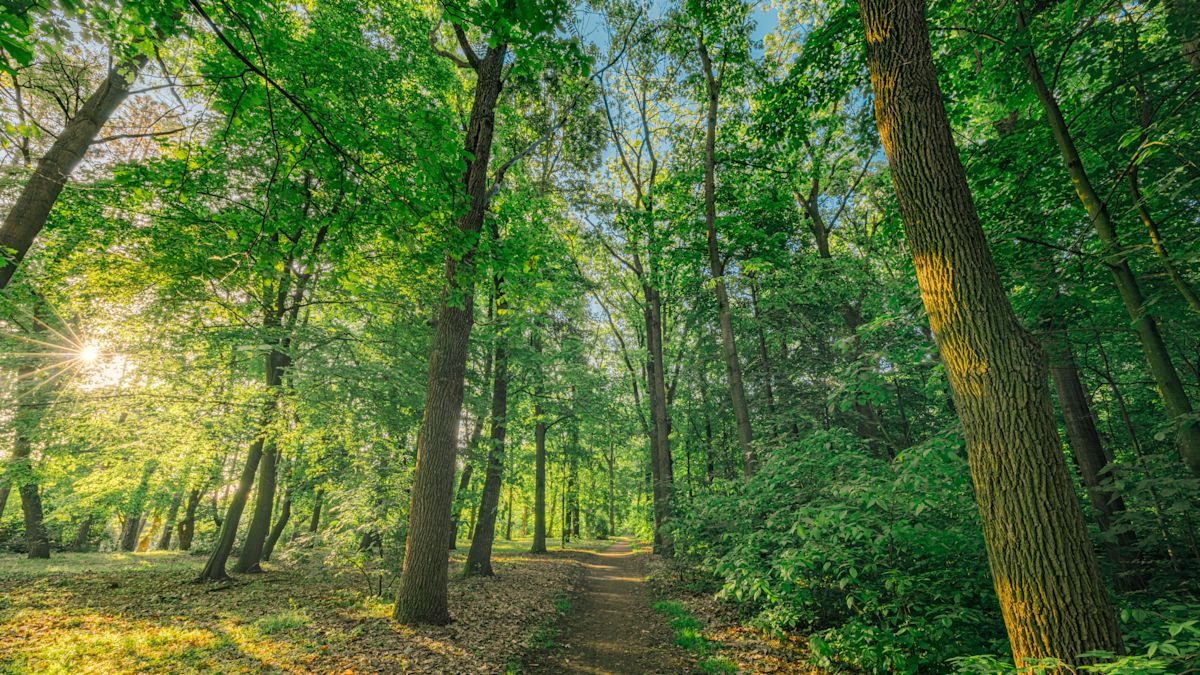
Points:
(882, 563)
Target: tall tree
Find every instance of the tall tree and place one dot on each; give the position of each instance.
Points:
(1043, 568)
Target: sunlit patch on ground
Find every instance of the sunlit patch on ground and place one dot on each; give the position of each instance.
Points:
(116, 613)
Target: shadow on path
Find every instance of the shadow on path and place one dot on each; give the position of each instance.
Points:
(612, 627)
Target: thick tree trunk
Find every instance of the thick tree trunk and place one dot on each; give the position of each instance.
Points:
(1175, 399)
(421, 597)
(187, 526)
(285, 514)
(479, 558)
(32, 207)
(1051, 597)
(733, 365)
(164, 540)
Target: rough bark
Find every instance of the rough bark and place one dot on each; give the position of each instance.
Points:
(1175, 399)
(421, 597)
(1051, 597)
(32, 207)
(733, 365)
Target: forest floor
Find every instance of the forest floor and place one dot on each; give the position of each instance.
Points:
(611, 627)
(120, 613)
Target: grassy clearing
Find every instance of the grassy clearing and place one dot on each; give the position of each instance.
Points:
(689, 634)
(120, 612)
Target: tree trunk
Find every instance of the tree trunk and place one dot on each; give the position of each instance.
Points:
(1175, 398)
(421, 597)
(539, 466)
(187, 526)
(314, 522)
(81, 535)
(214, 569)
(32, 207)
(285, 514)
(508, 525)
(1051, 597)
(1091, 460)
(464, 482)
(662, 473)
(4, 499)
(250, 557)
(479, 557)
(733, 366)
(164, 541)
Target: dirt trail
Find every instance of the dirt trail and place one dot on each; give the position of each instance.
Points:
(612, 627)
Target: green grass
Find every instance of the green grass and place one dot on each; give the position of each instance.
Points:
(689, 634)
(544, 637)
(286, 620)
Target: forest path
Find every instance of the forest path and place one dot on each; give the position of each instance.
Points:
(612, 627)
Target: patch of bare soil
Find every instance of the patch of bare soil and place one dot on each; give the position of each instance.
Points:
(611, 627)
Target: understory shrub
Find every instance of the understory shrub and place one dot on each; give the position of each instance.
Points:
(881, 563)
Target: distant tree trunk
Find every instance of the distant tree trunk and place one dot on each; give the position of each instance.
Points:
(314, 522)
(82, 534)
(662, 472)
(539, 465)
(764, 355)
(4, 499)
(464, 483)
(135, 509)
(285, 514)
(1170, 387)
(32, 207)
(187, 526)
(164, 541)
(612, 488)
(421, 597)
(1091, 460)
(1051, 597)
(733, 366)
(508, 525)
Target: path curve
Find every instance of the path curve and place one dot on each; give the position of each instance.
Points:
(612, 627)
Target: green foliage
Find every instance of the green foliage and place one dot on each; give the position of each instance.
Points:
(689, 634)
(827, 540)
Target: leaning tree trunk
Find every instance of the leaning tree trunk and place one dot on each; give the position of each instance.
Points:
(1051, 597)
(421, 597)
(82, 534)
(4, 498)
(32, 207)
(314, 521)
(135, 509)
(1170, 387)
(250, 557)
(285, 514)
(214, 570)
(733, 365)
